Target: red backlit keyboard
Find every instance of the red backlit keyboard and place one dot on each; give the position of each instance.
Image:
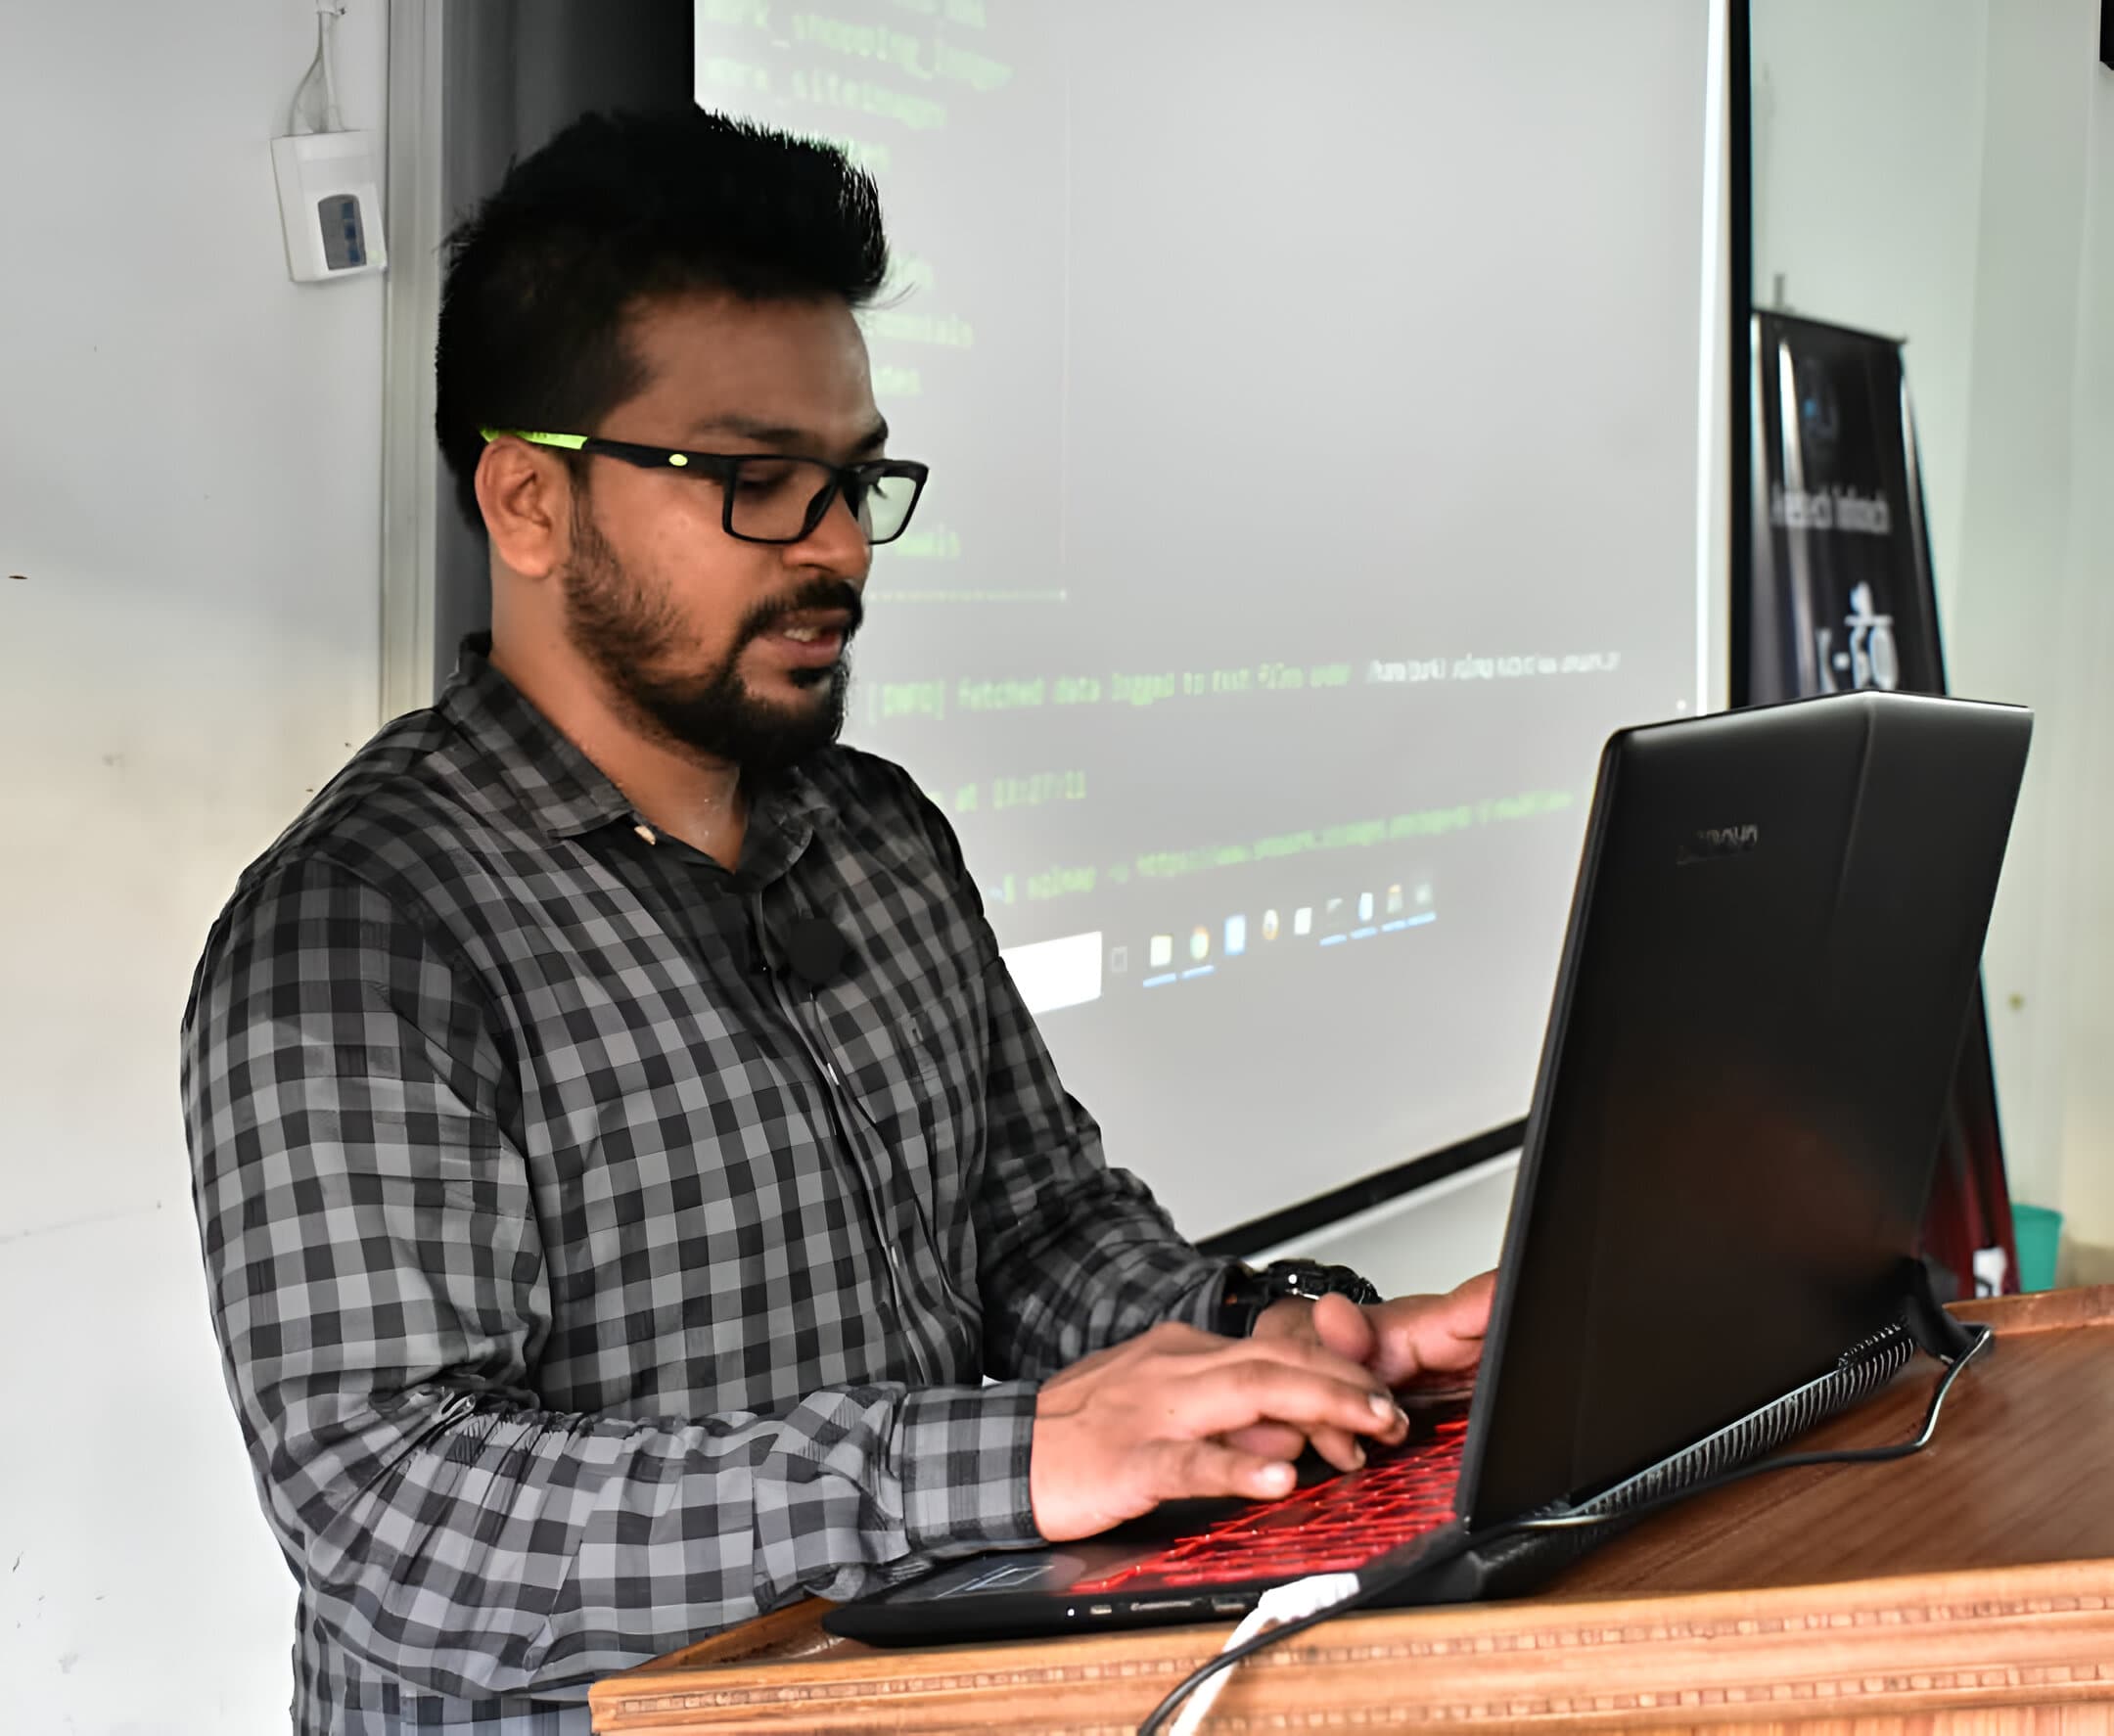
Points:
(1334, 1527)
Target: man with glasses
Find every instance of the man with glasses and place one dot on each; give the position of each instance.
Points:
(632, 1193)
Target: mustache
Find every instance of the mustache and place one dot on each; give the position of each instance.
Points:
(832, 594)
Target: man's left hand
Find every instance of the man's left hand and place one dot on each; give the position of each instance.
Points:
(1408, 1341)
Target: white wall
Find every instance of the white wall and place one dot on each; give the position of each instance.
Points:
(189, 487)
(2028, 614)
(1939, 169)
(2085, 1004)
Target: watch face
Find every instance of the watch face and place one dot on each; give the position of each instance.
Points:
(1312, 1278)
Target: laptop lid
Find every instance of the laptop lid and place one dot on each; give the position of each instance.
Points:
(1774, 938)
(1771, 945)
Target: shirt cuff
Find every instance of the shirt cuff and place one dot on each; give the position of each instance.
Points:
(962, 1455)
(1198, 1306)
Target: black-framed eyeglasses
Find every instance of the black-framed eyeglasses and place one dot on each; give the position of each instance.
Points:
(767, 497)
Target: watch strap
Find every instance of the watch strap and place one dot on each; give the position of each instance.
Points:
(1246, 1292)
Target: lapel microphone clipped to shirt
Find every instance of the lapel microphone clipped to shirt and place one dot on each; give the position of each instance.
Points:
(812, 948)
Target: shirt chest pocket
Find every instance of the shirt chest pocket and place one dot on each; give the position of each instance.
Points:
(915, 1071)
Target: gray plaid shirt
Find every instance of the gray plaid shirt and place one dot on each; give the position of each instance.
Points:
(587, 1282)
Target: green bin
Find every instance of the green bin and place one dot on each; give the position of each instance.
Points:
(2039, 1232)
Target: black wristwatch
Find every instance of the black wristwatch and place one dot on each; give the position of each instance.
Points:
(1248, 1292)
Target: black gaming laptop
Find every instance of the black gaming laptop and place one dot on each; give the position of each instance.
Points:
(1775, 936)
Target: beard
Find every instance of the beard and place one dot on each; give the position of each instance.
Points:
(626, 633)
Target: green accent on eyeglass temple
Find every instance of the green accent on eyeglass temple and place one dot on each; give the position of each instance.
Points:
(570, 442)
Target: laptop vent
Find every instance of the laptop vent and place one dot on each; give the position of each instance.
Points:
(1882, 1356)
(1520, 1563)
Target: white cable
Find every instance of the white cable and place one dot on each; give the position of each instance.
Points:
(328, 12)
(296, 122)
(1273, 1609)
(321, 67)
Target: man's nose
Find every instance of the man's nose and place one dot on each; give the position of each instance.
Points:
(838, 544)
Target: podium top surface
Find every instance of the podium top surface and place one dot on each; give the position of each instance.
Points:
(1874, 1589)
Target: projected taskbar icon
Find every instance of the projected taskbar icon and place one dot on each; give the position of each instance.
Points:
(1204, 949)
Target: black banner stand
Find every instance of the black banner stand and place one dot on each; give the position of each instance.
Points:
(1842, 597)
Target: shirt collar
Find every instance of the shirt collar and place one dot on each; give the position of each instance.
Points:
(568, 795)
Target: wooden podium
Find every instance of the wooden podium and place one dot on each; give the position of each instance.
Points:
(1970, 1588)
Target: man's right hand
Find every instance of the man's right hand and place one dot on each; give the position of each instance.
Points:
(1145, 1422)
